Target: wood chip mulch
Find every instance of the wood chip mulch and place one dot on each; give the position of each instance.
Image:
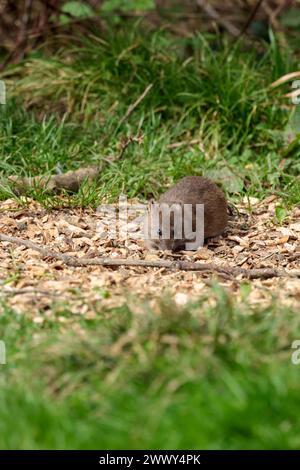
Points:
(46, 288)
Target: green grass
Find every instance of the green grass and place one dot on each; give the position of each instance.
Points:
(66, 110)
(198, 377)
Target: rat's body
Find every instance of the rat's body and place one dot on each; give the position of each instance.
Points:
(191, 190)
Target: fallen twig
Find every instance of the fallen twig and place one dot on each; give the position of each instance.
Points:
(294, 257)
(261, 273)
(183, 143)
(250, 18)
(11, 291)
(69, 181)
(212, 13)
(134, 105)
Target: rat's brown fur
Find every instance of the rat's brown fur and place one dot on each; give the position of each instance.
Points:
(194, 190)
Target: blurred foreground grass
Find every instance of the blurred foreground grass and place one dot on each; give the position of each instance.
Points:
(215, 374)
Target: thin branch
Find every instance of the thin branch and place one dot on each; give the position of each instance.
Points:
(294, 257)
(12, 291)
(132, 107)
(250, 18)
(212, 13)
(70, 260)
(69, 181)
(264, 273)
(184, 143)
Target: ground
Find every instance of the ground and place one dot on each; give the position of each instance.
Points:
(253, 239)
(132, 357)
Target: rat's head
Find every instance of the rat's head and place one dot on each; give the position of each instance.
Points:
(164, 227)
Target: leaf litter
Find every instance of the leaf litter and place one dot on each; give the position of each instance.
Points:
(45, 288)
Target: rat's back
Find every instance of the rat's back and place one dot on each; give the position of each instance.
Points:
(191, 190)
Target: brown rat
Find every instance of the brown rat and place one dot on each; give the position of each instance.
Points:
(192, 191)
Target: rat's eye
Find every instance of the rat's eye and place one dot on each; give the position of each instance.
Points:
(159, 232)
